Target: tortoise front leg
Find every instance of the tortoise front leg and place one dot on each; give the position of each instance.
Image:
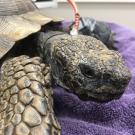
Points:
(26, 104)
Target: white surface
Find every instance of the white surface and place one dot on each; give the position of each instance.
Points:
(46, 4)
(103, 1)
(52, 3)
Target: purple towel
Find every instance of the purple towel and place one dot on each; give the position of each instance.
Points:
(90, 118)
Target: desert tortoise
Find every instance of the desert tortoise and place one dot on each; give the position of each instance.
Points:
(82, 65)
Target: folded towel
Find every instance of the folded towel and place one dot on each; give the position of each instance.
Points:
(90, 118)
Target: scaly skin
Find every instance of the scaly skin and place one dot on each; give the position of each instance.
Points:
(26, 104)
(84, 65)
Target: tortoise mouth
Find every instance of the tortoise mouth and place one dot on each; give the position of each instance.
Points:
(102, 94)
(104, 97)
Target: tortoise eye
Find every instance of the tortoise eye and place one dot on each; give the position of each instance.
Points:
(87, 71)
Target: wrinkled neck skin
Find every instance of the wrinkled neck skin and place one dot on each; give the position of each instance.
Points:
(84, 65)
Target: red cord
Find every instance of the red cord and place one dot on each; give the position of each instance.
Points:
(76, 12)
(73, 4)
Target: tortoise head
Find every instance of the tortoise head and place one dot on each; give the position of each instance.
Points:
(86, 67)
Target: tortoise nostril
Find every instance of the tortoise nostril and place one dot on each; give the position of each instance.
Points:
(124, 81)
(86, 70)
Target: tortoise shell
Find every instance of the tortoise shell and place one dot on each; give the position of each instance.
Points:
(18, 19)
